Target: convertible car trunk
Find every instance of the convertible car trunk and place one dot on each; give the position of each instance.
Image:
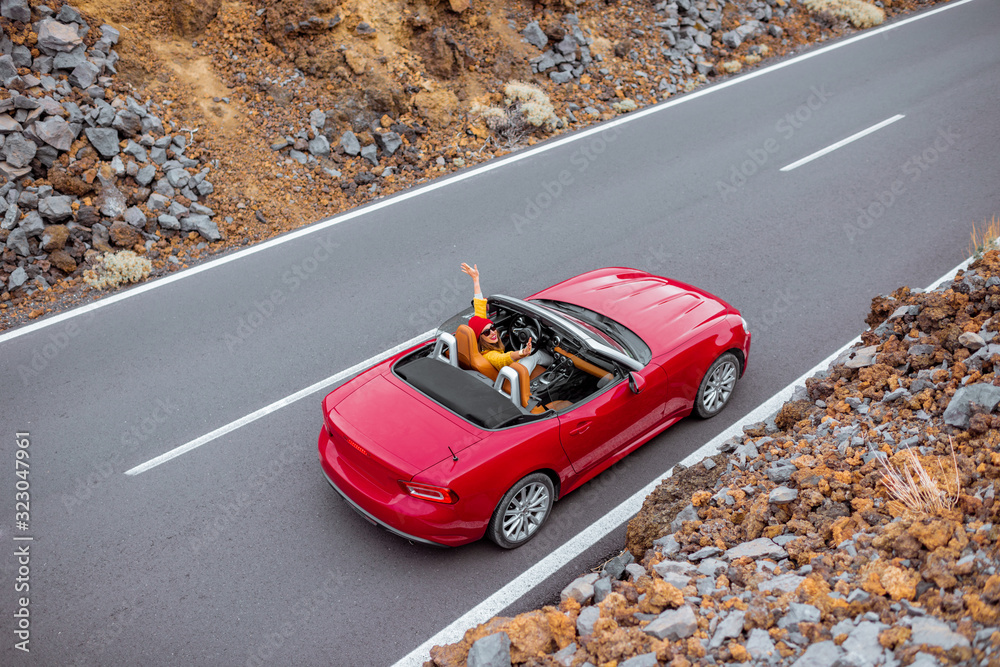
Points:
(397, 430)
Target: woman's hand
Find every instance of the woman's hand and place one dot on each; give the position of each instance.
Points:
(471, 270)
(474, 272)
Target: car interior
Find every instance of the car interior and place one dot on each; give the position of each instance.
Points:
(574, 374)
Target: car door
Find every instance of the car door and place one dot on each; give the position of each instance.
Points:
(611, 421)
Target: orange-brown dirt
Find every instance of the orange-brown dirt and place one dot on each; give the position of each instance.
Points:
(240, 75)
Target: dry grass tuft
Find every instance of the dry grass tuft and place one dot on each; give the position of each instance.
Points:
(915, 488)
(526, 109)
(114, 269)
(861, 14)
(985, 239)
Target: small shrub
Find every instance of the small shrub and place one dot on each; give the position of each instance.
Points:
(526, 109)
(730, 66)
(114, 269)
(533, 103)
(861, 14)
(985, 239)
(625, 105)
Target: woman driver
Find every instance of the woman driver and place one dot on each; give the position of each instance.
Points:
(489, 338)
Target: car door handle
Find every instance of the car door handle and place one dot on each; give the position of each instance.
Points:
(580, 428)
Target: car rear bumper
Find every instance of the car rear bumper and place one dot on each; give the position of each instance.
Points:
(410, 518)
(360, 510)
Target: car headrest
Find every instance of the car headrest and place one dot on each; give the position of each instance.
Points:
(469, 356)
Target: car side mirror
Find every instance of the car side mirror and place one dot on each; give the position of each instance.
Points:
(636, 382)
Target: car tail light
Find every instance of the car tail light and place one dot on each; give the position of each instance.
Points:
(357, 446)
(435, 494)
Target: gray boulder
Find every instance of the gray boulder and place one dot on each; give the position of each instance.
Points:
(370, 153)
(146, 175)
(689, 513)
(580, 589)
(8, 68)
(8, 124)
(109, 33)
(490, 651)
(16, 10)
(782, 495)
(673, 624)
(203, 225)
(761, 547)
(959, 410)
(389, 142)
(822, 654)
(168, 221)
(317, 118)
(135, 217)
(18, 151)
(935, 632)
(18, 277)
(535, 36)
(18, 242)
(320, 146)
(349, 142)
(127, 122)
(586, 620)
(56, 209)
(32, 224)
(55, 132)
(784, 583)
(799, 613)
(84, 75)
(730, 628)
(644, 660)
(157, 202)
(56, 37)
(70, 60)
(178, 177)
(761, 647)
(104, 140)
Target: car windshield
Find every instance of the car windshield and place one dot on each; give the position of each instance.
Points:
(608, 330)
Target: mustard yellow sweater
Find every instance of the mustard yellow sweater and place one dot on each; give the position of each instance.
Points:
(497, 359)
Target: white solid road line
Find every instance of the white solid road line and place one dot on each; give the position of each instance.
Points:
(277, 405)
(552, 563)
(843, 142)
(461, 176)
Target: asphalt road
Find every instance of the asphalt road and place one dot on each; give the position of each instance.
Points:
(237, 552)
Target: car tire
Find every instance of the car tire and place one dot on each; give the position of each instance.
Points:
(717, 386)
(522, 511)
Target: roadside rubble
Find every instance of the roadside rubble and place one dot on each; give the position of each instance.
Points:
(799, 555)
(87, 170)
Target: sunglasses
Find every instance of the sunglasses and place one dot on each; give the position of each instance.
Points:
(488, 330)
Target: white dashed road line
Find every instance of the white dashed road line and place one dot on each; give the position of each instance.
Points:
(843, 142)
(277, 405)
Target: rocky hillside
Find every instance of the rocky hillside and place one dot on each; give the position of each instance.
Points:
(180, 129)
(857, 527)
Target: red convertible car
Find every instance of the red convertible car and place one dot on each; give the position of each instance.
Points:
(438, 447)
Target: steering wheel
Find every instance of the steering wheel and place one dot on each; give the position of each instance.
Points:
(524, 328)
